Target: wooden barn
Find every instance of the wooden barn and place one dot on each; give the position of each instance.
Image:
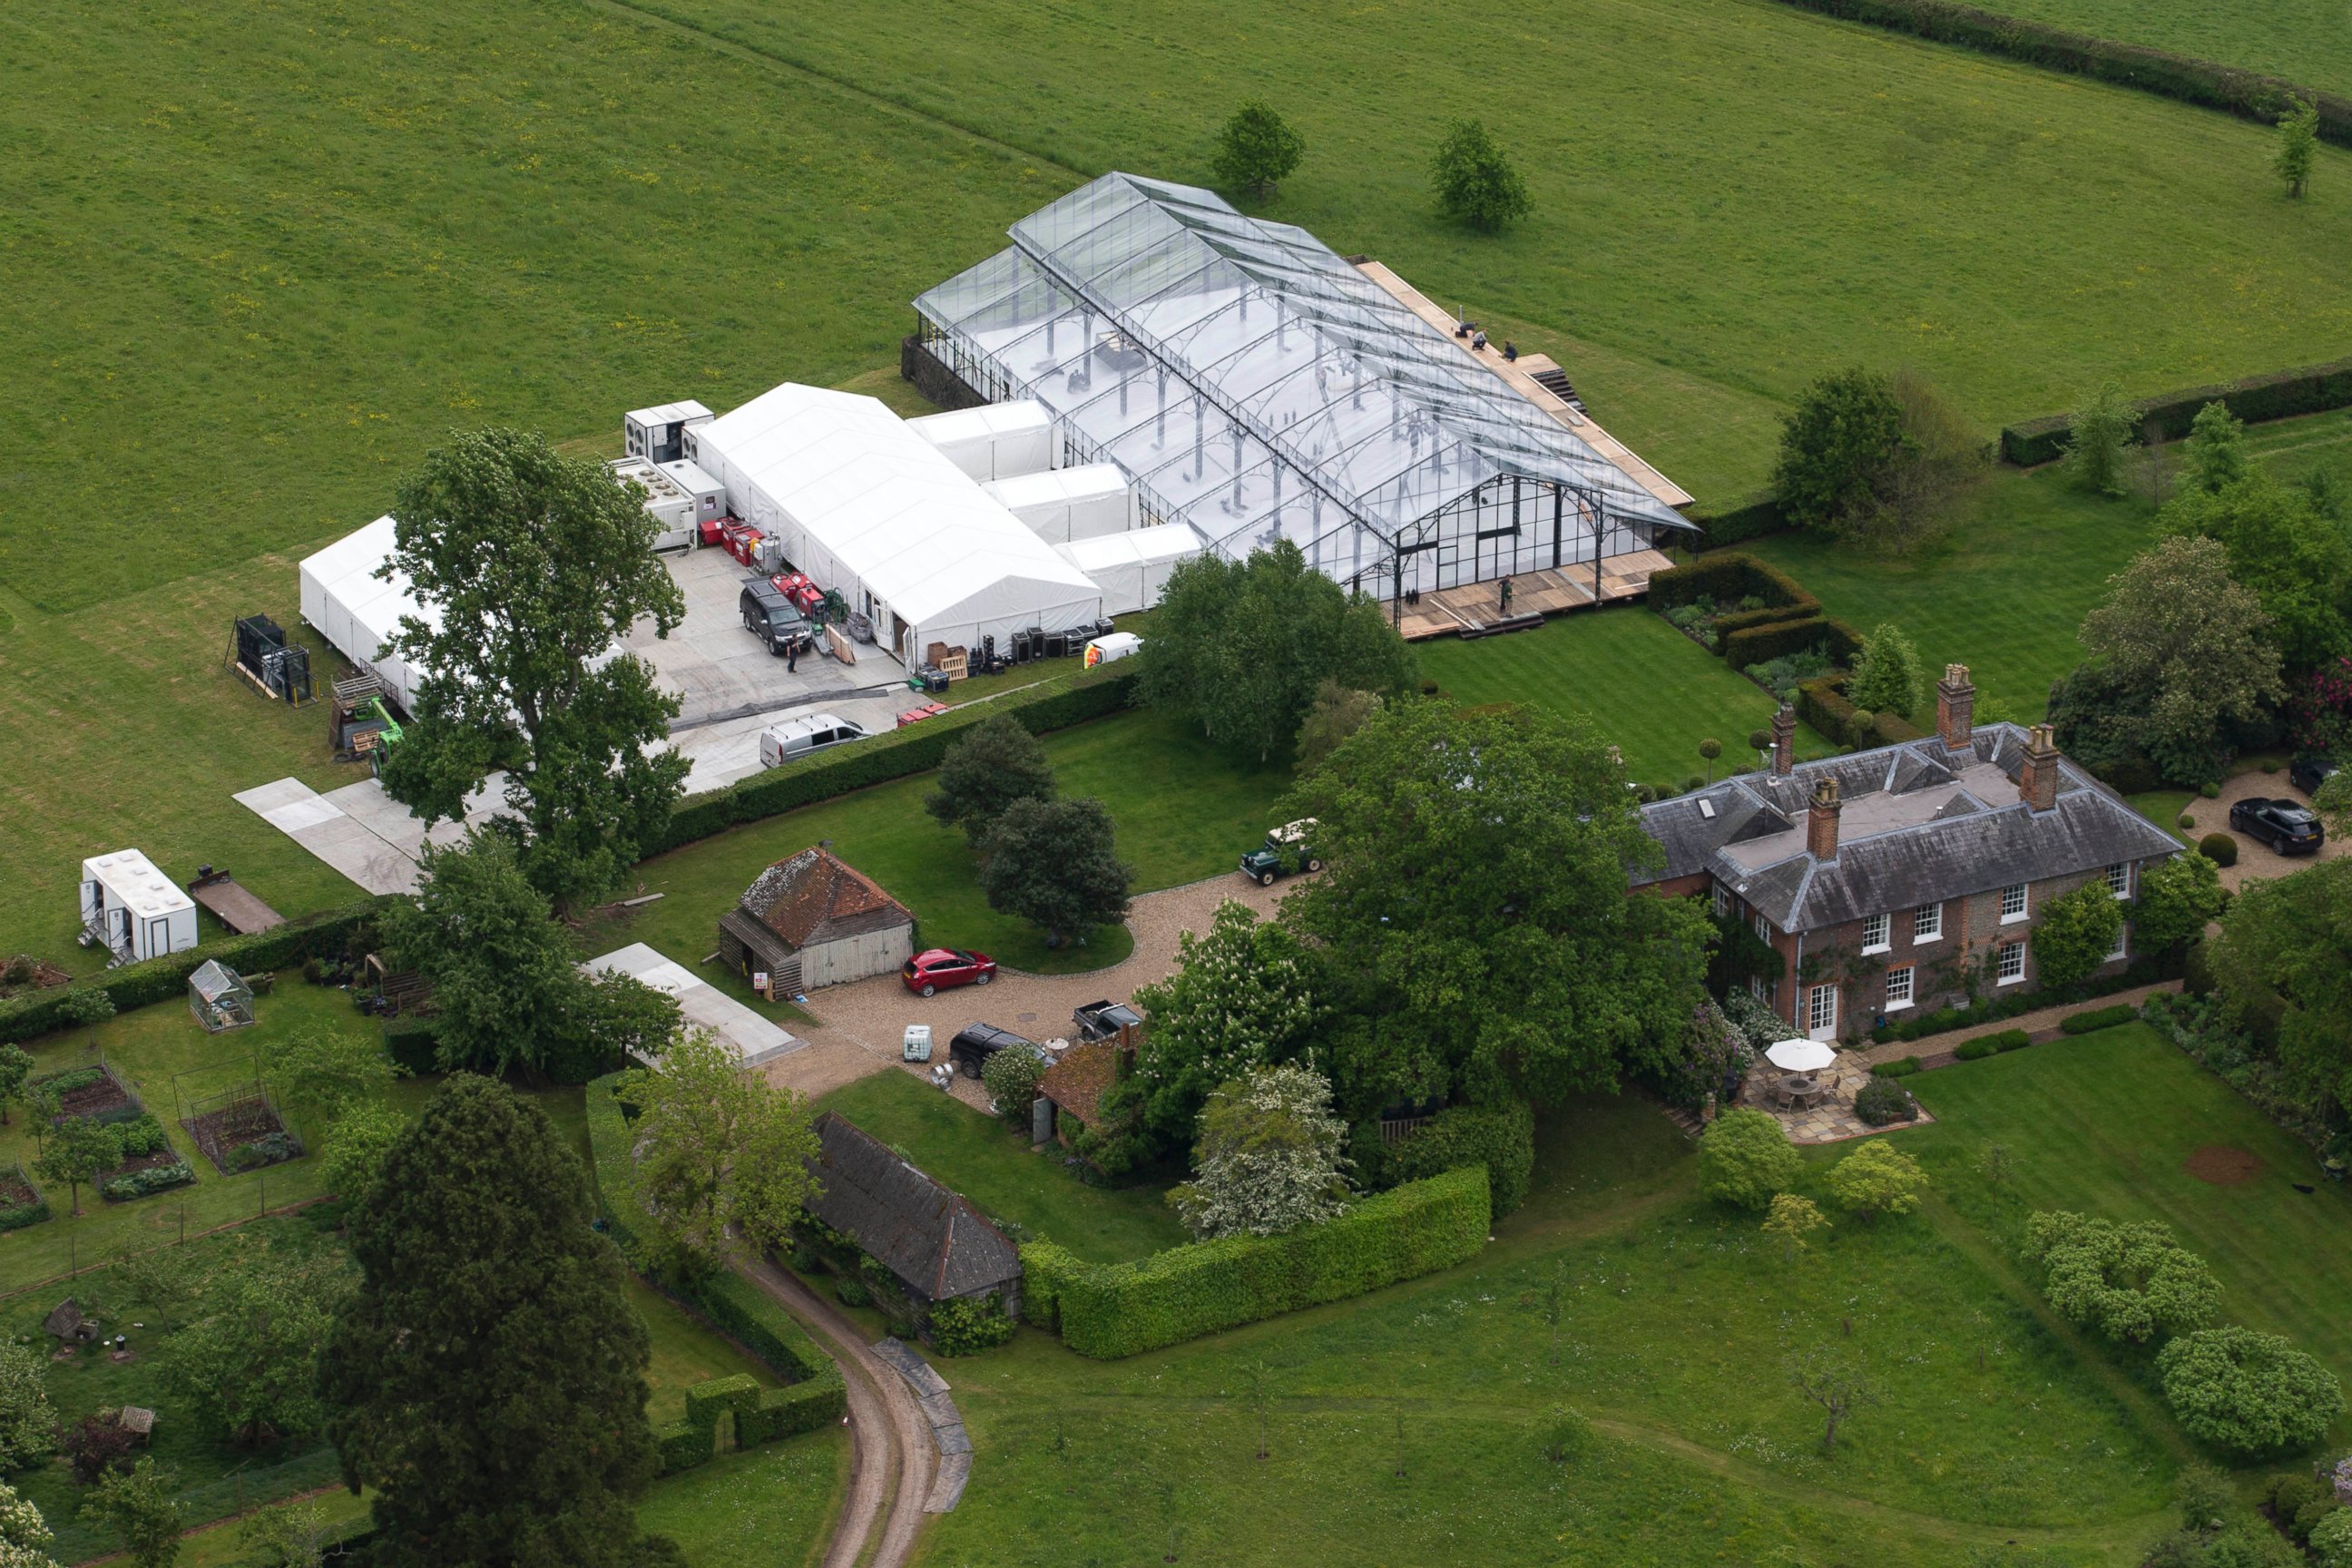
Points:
(811, 920)
(932, 1240)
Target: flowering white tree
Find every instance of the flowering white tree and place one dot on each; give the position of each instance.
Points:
(1269, 1160)
(1241, 997)
(23, 1532)
(27, 1425)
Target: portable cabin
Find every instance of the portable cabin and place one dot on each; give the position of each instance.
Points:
(219, 998)
(133, 909)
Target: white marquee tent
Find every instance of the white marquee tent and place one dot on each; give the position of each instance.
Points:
(867, 506)
(1063, 504)
(993, 441)
(1131, 569)
(351, 609)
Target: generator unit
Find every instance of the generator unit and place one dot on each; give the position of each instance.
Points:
(658, 434)
(671, 508)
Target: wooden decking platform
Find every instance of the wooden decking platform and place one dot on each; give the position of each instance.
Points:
(233, 905)
(1450, 612)
(1519, 376)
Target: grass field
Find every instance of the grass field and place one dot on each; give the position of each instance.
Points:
(2303, 41)
(1650, 692)
(990, 1164)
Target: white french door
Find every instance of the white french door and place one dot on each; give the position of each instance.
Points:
(1821, 1012)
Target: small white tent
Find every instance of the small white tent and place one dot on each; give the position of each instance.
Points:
(994, 441)
(865, 505)
(358, 613)
(1131, 569)
(1063, 504)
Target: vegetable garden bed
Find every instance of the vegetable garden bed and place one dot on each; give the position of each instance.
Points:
(20, 1202)
(92, 1091)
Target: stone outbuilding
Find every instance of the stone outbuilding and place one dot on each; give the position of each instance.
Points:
(934, 1242)
(810, 920)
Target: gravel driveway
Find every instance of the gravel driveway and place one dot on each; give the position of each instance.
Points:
(859, 1026)
(2256, 860)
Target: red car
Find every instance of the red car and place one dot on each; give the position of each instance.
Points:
(941, 967)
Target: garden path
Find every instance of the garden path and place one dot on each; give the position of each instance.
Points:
(2041, 1023)
(859, 1026)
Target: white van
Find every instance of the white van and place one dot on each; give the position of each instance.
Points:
(1110, 648)
(796, 738)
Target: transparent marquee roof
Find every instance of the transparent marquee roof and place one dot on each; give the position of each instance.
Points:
(1252, 382)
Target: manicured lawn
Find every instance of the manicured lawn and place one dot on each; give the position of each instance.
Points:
(1653, 692)
(987, 1162)
(772, 1507)
(2106, 1124)
(2003, 594)
(2292, 448)
(1183, 813)
(2301, 40)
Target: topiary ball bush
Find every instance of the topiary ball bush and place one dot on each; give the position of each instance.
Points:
(2219, 848)
(852, 1292)
(2210, 791)
(2188, 823)
(1883, 1101)
(1746, 1160)
(2267, 767)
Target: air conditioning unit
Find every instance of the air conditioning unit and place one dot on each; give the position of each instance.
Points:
(657, 434)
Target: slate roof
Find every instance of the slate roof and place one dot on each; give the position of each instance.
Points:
(933, 1239)
(1076, 1082)
(812, 898)
(1920, 822)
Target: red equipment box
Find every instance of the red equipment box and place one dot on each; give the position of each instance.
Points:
(916, 715)
(795, 586)
(714, 530)
(742, 539)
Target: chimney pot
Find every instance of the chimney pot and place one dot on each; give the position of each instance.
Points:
(1784, 740)
(1821, 821)
(1955, 707)
(2037, 776)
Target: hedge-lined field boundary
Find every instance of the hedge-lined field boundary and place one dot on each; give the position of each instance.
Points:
(1750, 516)
(324, 934)
(2281, 394)
(814, 1395)
(1121, 1309)
(901, 753)
(2249, 95)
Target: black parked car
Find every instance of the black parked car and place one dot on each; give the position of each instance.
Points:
(2307, 774)
(770, 615)
(975, 1043)
(2283, 824)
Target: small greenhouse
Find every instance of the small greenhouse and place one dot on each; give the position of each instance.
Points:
(219, 998)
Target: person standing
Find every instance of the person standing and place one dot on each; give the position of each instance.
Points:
(1506, 595)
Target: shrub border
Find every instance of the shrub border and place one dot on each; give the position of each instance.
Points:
(2280, 395)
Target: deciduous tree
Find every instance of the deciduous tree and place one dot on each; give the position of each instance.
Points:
(2100, 437)
(16, 1066)
(1837, 1384)
(358, 1143)
(23, 1532)
(1475, 181)
(27, 1425)
(322, 1070)
(1843, 434)
(2076, 933)
(1256, 151)
(2130, 1281)
(1011, 1078)
(1745, 1159)
(2215, 455)
(1790, 1220)
(1338, 711)
(2177, 899)
(2299, 146)
(142, 1506)
(1877, 1178)
(293, 1535)
(2297, 563)
(1055, 863)
(76, 1153)
(1241, 996)
(487, 1380)
(533, 567)
(719, 1155)
(248, 1366)
(2284, 956)
(1888, 677)
(1268, 1159)
(996, 762)
(1473, 919)
(2248, 1392)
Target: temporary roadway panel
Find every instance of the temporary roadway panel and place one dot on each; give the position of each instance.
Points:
(753, 1039)
(235, 906)
(359, 830)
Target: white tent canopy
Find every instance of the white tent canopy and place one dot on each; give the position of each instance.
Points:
(1063, 504)
(866, 505)
(1131, 569)
(993, 441)
(357, 613)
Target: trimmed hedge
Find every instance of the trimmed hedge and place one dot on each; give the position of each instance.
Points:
(165, 979)
(1976, 1048)
(2281, 394)
(1819, 703)
(2247, 94)
(681, 1445)
(2098, 1018)
(1728, 579)
(1903, 1067)
(1047, 1270)
(1501, 1138)
(1835, 640)
(814, 1395)
(1751, 517)
(1188, 1291)
(898, 754)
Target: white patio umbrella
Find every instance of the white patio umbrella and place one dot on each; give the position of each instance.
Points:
(1801, 1056)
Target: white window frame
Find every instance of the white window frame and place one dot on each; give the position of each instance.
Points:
(1822, 1021)
(1763, 930)
(2123, 943)
(1931, 917)
(1722, 900)
(1908, 977)
(2120, 879)
(2000, 965)
(2023, 911)
(1877, 932)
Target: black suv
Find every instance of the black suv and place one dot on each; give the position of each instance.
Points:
(770, 615)
(2281, 823)
(975, 1043)
(2307, 774)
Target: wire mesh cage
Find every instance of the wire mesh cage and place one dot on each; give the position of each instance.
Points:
(239, 1128)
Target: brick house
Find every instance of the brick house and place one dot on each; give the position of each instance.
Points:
(1884, 879)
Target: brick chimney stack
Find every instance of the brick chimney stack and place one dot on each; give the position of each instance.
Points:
(1784, 740)
(1821, 821)
(2037, 778)
(1955, 707)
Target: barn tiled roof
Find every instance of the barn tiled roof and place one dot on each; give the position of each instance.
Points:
(1920, 822)
(933, 1239)
(812, 896)
(1076, 1082)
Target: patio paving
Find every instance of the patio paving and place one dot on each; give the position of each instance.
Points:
(1832, 1118)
